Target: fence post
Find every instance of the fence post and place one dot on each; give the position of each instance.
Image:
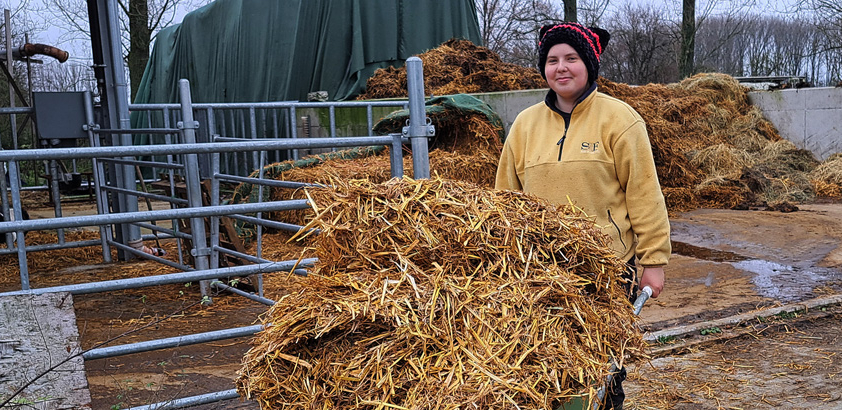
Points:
(420, 127)
(201, 252)
(99, 177)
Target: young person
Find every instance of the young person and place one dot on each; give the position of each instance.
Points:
(584, 147)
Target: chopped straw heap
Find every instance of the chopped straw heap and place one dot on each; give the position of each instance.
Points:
(455, 67)
(439, 294)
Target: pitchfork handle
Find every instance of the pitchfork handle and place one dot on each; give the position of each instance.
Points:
(644, 295)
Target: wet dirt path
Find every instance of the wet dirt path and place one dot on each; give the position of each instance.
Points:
(728, 262)
(731, 262)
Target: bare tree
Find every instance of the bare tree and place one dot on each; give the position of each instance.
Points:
(687, 54)
(140, 19)
(510, 27)
(570, 11)
(642, 46)
(71, 76)
(828, 15)
(722, 47)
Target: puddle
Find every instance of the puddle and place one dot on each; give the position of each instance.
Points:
(782, 282)
(772, 280)
(698, 252)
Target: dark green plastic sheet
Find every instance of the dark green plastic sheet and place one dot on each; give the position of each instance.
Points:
(280, 50)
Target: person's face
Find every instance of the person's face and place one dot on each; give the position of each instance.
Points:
(566, 72)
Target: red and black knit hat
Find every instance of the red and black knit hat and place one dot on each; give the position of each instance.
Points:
(588, 42)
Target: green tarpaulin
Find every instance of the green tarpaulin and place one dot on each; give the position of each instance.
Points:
(280, 50)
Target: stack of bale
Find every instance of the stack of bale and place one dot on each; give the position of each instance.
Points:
(440, 294)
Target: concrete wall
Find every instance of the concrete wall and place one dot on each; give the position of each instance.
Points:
(37, 332)
(508, 104)
(809, 117)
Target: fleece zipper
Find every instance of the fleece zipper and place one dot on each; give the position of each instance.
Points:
(619, 234)
(560, 142)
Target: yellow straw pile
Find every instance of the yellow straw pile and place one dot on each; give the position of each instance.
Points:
(437, 294)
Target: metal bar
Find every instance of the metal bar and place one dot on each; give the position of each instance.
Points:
(170, 342)
(143, 255)
(247, 295)
(14, 180)
(143, 163)
(56, 195)
(146, 195)
(396, 156)
(250, 258)
(214, 198)
(191, 401)
(53, 246)
(269, 224)
(170, 232)
(272, 104)
(293, 130)
(259, 245)
(99, 179)
(253, 133)
(16, 110)
(268, 182)
(137, 131)
(332, 112)
(201, 251)
(156, 215)
(167, 279)
(254, 259)
(418, 127)
(192, 148)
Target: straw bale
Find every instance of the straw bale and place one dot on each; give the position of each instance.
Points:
(455, 67)
(440, 294)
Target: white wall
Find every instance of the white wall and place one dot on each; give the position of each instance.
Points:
(809, 117)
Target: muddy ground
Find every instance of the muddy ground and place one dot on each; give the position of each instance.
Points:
(725, 264)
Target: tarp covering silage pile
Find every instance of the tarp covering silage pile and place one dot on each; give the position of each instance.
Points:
(279, 50)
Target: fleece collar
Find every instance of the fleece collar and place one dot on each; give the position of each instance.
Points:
(550, 99)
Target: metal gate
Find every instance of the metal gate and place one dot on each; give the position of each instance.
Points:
(178, 155)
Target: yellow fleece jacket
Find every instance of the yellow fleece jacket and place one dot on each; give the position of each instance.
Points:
(603, 164)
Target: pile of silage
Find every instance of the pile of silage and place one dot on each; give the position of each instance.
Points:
(455, 67)
(713, 148)
(440, 294)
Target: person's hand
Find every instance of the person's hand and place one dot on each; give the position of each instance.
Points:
(653, 277)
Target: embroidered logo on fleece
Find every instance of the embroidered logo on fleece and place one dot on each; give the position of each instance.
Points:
(589, 147)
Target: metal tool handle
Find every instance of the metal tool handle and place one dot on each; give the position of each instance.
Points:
(644, 295)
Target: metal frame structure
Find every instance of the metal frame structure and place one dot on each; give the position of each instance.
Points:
(107, 159)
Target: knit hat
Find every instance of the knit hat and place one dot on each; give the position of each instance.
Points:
(588, 42)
